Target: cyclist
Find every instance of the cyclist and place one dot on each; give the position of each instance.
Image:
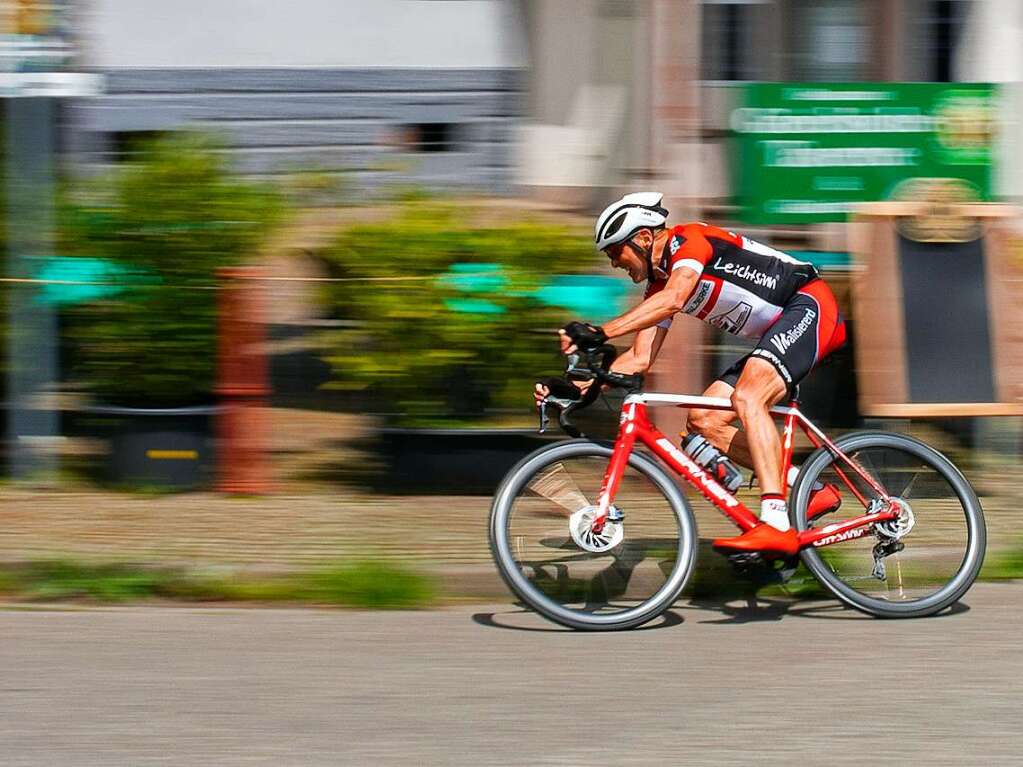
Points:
(744, 288)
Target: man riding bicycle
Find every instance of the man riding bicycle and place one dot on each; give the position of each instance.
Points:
(744, 288)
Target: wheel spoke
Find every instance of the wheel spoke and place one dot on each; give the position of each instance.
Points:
(558, 486)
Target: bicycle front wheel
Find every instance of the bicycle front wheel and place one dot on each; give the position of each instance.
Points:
(619, 577)
(917, 565)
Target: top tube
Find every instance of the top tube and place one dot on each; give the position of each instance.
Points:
(694, 400)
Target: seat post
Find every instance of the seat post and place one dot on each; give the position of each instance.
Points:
(794, 397)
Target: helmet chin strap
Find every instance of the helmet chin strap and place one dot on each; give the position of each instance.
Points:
(647, 253)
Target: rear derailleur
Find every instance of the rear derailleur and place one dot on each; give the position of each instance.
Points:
(884, 547)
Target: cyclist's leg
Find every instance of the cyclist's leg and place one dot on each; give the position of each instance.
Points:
(781, 359)
(759, 388)
(716, 425)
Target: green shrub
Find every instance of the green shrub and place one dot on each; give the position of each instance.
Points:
(447, 315)
(169, 219)
(370, 585)
(367, 584)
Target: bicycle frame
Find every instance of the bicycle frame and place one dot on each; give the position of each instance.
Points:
(634, 425)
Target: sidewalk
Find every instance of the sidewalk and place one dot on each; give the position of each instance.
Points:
(313, 518)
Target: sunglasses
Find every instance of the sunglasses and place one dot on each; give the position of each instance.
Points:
(614, 252)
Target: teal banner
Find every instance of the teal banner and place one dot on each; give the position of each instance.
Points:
(809, 152)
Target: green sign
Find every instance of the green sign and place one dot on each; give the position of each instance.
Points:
(810, 152)
(68, 280)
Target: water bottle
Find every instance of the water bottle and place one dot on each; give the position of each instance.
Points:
(725, 472)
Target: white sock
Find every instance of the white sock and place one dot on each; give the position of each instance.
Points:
(790, 480)
(773, 511)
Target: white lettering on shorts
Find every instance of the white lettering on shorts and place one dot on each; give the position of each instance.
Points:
(782, 341)
(769, 355)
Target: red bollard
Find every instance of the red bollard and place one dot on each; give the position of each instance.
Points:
(242, 384)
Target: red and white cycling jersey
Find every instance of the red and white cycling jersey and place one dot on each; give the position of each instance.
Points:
(743, 285)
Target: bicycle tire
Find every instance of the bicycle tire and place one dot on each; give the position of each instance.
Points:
(531, 466)
(973, 518)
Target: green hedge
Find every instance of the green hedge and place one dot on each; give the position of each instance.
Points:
(427, 351)
(170, 219)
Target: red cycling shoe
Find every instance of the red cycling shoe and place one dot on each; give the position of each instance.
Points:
(823, 501)
(763, 538)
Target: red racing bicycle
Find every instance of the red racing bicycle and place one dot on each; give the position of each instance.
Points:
(598, 536)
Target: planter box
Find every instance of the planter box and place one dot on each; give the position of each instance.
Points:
(453, 461)
(169, 447)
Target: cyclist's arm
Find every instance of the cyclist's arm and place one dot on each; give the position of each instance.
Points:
(644, 350)
(660, 306)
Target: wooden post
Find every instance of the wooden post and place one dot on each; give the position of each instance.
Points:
(675, 160)
(242, 384)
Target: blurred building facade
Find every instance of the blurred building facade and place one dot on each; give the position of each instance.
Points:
(430, 91)
(565, 100)
(632, 92)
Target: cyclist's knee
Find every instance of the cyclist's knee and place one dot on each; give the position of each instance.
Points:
(748, 400)
(707, 422)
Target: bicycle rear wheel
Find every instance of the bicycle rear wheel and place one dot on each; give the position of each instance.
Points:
(548, 555)
(927, 559)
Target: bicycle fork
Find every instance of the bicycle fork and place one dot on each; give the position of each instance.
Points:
(616, 467)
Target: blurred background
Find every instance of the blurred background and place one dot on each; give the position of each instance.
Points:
(279, 276)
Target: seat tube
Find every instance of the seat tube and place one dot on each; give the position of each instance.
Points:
(619, 458)
(788, 444)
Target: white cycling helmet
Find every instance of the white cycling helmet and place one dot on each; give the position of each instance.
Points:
(620, 220)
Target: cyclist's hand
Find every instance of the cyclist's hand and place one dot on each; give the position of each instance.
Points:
(542, 390)
(580, 335)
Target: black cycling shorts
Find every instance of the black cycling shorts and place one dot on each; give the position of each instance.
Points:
(808, 329)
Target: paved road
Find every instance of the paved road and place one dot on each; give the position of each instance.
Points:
(715, 684)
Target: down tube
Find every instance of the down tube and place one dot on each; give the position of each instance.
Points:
(735, 510)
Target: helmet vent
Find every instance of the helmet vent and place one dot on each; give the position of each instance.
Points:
(615, 224)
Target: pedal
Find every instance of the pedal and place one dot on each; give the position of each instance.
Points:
(752, 566)
(743, 562)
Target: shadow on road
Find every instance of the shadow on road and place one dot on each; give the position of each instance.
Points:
(756, 609)
(753, 610)
(497, 620)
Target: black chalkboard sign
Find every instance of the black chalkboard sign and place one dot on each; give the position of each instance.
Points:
(948, 339)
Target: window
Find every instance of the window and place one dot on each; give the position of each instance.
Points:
(128, 145)
(728, 42)
(945, 20)
(830, 41)
(430, 137)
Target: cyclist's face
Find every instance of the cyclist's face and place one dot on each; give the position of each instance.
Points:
(629, 257)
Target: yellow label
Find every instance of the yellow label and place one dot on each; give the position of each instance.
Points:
(186, 455)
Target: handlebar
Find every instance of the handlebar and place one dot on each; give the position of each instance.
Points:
(593, 364)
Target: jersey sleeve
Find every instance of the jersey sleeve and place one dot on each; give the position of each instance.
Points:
(687, 246)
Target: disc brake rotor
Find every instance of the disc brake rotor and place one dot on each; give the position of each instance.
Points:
(580, 526)
(901, 525)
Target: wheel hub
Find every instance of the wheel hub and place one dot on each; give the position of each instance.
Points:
(580, 527)
(897, 528)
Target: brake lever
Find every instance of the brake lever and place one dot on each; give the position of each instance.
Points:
(574, 366)
(564, 405)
